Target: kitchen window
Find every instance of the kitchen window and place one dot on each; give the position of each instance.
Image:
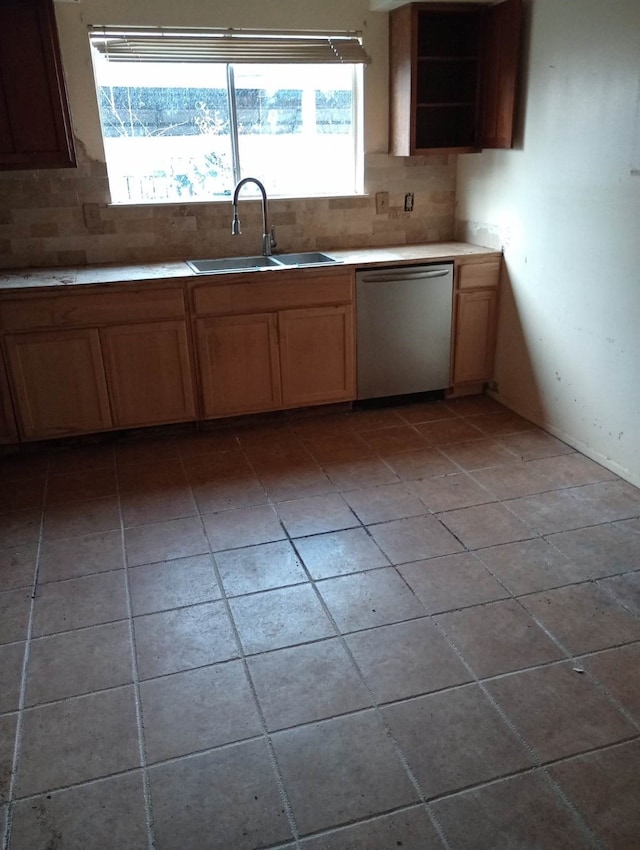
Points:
(186, 114)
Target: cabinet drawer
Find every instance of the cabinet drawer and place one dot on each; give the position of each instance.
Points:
(92, 308)
(308, 289)
(479, 275)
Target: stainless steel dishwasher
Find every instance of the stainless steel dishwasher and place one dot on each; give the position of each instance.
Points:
(403, 329)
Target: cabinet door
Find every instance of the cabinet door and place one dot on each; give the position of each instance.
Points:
(476, 315)
(148, 373)
(8, 430)
(59, 383)
(35, 126)
(501, 54)
(317, 355)
(239, 366)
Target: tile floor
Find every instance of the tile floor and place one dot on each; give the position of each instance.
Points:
(415, 627)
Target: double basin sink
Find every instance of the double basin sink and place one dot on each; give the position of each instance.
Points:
(236, 264)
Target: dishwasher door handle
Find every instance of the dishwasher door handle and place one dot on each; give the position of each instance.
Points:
(386, 277)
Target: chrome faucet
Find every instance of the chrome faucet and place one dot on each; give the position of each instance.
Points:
(268, 235)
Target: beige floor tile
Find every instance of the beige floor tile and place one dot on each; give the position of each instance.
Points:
(363, 472)
(196, 801)
(299, 482)
(17, 566)
(222, 465)
(453, 581)
(479, 454)
(612, 668)
(15, 606)
(106, 813)
(512, 480)
(90, 517)
(406, 659)
(79, 662)
(8, 728)
(410, 829)
(429, 411)
(80, 602)
(522, 811)
(570, 470)
(424, 463)
(486, 525)
(473, 405)
(498, 637)
(81, 485)
(245, 527)
(583, 617)
(551, 512)
(604, 788)
(146, 449)
(603, 550)
(173, 584)
(228, 493)
(339, 553)
(499, 423)
(256, 568)
(23, 493)
(369, 599)
(11, 661)
(531, 565)
(316, 515)
(447, 432)
(612, 500)
(373, 419)
(454, 739)
(19, 528)
(17, 467)
(164, 541)
(170, 641)
(447, 492)
(414, 539)
(384, 503)
(319, 761)
(69, 742)
(626, 589)
(530, 445)
(76, 556)
(157, 506)
(303, 684)
(278, 618)
(197, 710)
(402, 438)
(337, 449)
(78, 458)
(559, 712)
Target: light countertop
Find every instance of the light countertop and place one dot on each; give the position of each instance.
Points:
(26, 279)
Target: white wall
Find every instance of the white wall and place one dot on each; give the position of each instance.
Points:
(566, 207)
(74, 18)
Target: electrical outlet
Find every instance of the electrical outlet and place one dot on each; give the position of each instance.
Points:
(408, 202)
(382, 202)
(91, 213)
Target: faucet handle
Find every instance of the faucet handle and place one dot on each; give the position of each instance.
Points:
(272, 238)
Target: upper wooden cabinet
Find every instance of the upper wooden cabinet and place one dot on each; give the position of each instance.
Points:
(35, 125)
(453, 76)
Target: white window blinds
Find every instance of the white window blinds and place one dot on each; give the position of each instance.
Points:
(229, 46)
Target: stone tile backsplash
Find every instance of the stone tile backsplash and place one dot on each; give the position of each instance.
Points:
(42, 222)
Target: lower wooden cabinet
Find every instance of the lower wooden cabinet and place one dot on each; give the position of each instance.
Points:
(148, 373)
(475, 322)
(59, 382)
(475, 336)
(317, 355)
(239, 364)
(8, 428)
(267, 361)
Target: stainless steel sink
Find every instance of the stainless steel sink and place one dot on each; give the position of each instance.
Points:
(237, 264)
(231, 264)
(309, 258)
